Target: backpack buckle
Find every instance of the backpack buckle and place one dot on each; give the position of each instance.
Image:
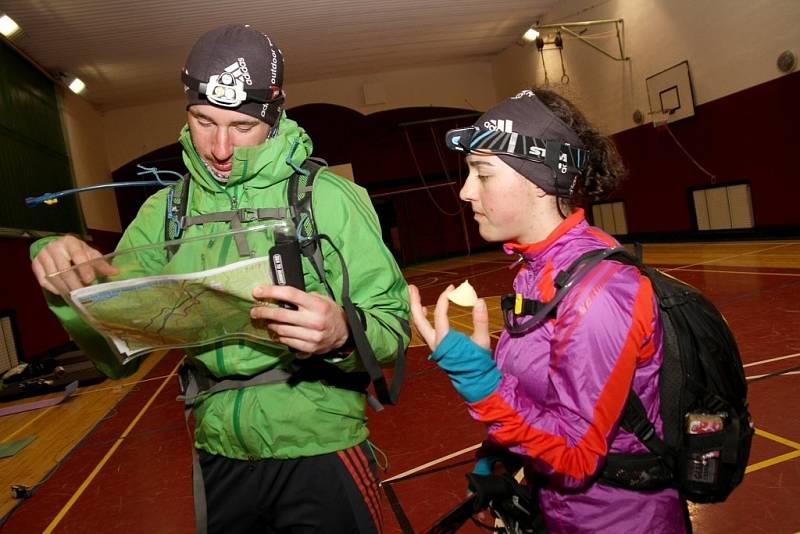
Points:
(644, 430)
(248, 214)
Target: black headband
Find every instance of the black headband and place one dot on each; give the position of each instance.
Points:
(561, 157)
(231, 94)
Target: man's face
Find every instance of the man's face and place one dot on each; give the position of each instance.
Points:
(216, 131)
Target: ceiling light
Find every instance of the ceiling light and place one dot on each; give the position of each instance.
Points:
(7, 25)
(76, 85)
(530, 35)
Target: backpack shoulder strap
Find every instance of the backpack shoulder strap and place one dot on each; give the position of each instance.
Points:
(385, 392)
(177, 198)
(634, 417)
(299, 193)
(300, 190)
(515, 305)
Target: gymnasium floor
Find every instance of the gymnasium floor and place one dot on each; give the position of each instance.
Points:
(116, 456)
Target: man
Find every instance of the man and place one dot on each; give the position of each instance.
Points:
(283, 457)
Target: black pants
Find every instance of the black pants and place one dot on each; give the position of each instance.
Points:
(334, 493)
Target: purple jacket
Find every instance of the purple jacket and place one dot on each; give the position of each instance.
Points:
(564, 386)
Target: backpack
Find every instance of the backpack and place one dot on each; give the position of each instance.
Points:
(703, 391)
(299, 200)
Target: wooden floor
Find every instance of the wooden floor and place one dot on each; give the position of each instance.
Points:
(58, 430)
(116, 457)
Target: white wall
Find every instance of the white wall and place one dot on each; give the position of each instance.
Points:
(134, 131)
(730, 45)
(87, 148)
(131, 132)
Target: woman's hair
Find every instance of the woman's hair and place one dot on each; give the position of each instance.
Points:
(604, 169)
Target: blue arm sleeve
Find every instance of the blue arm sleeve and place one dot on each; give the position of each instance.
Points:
(469, 366)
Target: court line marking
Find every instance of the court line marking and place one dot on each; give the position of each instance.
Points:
(782, 245)
(435, 271)
(29, 423)
(754, 377)
(772, 461)
(750, 468)
(63, 512)
(122, 386)
(730, 272)
(776, 459)
(751, 364)
(779, 439)
(419, 468)
(724, 243)
(684, 267)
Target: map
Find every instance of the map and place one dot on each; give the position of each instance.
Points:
(143, 314)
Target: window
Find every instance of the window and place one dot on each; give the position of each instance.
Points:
(723, 207)
(610, 216)
(8, 341)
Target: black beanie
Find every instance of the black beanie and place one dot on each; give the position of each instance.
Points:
(525, 114)
(239, 68)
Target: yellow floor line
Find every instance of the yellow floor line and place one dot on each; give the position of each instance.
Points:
(777, 459)
(108, 455)
(773, 437)
(772, 461)
(29, 423)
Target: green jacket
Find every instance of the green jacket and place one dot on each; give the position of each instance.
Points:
(271, 421)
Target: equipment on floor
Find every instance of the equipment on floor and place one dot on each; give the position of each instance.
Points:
(49, 373)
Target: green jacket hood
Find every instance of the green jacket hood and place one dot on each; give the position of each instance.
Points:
(269, 159)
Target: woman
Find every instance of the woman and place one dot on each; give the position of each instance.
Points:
(553, 395)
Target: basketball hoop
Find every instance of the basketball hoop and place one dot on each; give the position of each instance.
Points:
(660, 118)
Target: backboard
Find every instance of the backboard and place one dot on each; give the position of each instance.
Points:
(670, 93)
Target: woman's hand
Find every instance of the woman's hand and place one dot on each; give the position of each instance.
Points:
(433, 335)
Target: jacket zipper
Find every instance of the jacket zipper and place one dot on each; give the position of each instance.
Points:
(237, 427)
(237, 402)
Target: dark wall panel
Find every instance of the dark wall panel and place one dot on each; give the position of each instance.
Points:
(748, 136)
(39, 329)
(33, 154)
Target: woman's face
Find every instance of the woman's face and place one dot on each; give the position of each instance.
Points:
(503, 201)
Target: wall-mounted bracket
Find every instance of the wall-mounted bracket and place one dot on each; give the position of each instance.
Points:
(567, 27)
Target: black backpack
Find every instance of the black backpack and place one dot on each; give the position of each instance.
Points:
(706, 423)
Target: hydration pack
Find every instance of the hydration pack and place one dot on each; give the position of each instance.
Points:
(307, 240)
(703, 391)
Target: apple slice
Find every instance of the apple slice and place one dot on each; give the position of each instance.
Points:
(463, 295)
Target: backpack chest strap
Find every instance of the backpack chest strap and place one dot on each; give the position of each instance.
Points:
(236, 218)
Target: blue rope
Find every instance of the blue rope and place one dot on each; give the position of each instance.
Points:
(291, 163)
(52, 198)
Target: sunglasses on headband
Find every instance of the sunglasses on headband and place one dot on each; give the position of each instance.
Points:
(561, 157)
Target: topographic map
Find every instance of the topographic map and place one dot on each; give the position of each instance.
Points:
(143, 314)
